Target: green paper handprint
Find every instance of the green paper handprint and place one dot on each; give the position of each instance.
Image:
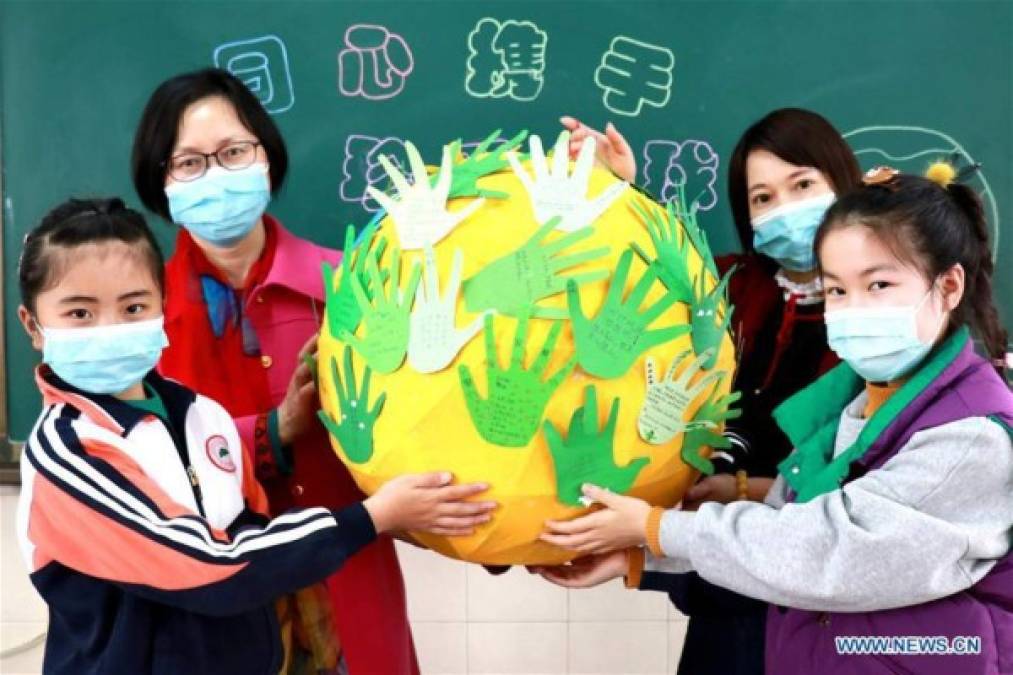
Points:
(687, 216)
(514, 283)
(672, 255)
(708, 329)
(701, 433)
(608, 344)
(343, 313)
(479, 163)
(386, 316)
(516, 397)
(586, 456)
(355, 430)
(667, 399)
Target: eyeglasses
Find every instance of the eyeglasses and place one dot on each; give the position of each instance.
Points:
(192, 165)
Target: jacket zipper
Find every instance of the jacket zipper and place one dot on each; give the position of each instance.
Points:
(191, 473)
(195, 486)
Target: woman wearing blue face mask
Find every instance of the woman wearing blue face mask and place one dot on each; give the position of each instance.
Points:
(784, 172)
(140, 519)
(244, 301)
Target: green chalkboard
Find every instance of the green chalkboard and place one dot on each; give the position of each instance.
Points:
(909, 80)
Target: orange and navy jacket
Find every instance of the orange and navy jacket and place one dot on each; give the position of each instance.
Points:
(146, 537)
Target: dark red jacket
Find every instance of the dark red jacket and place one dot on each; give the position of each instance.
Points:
(781, 347)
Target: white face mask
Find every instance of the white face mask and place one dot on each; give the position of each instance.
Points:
(786, 233)
(879, 343)
(104, 359)
(223, 205)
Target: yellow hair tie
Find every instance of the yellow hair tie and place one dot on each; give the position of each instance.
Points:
(941, 173)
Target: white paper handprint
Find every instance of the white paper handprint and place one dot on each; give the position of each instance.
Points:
(420, 213)
(434, 339)
(556, 191)
(664, 409)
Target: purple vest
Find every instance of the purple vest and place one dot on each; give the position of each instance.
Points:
(803, 642)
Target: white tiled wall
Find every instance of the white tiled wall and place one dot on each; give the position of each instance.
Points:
(464, 619)
(22, 612)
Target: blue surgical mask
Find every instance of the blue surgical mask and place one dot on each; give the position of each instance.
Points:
(104, 359)
(222, 206)
(879, 343)
(786, 233)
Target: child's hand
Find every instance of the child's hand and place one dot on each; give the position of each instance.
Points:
(588, 571)
(613, 151)
(298, 411)
(427, 502)
(621, 524)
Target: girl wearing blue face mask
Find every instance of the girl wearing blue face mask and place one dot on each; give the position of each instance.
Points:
(783, 174)
(140, 519)
(893, 516)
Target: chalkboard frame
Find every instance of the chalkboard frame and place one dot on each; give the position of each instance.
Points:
(10, 473)
(714, 103)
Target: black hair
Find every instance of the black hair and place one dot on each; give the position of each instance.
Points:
(933, 228)
(157, 130)
(77, 222)
(799, 137)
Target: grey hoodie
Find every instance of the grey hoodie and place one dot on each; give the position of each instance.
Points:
(930, 523)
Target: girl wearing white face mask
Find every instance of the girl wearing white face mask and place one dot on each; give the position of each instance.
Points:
(140, 519)
(783, 174)
(893, 515)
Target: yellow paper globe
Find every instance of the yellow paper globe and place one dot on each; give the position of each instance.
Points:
(425, 423)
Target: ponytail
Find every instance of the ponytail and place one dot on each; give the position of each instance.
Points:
(978, 307)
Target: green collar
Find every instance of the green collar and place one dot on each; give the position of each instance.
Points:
(810, 419)
(153, 404)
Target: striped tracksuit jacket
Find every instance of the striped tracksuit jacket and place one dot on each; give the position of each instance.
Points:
(147, 537)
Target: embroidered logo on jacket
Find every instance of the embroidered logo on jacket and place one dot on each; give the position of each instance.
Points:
(218, 452)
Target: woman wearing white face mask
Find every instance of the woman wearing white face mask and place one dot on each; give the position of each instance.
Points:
(244, 301)
(783, 174)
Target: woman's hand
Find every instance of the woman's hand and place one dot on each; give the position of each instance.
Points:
(588, 571)
(621, 524)
(298, 411)
(722, 488)
(612, 149)
(428, 502)
(717, 488)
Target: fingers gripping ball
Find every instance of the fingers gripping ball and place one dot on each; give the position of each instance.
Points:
(507, 340)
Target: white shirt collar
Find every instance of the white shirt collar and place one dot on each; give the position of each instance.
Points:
(810, 292)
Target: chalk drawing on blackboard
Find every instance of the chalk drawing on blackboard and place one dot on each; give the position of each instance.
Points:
(633, 74)
(262, 64)
(361, 167)
(374, 63)
(505, 60)
(911, 149)
(671, 164)
(468, 146)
